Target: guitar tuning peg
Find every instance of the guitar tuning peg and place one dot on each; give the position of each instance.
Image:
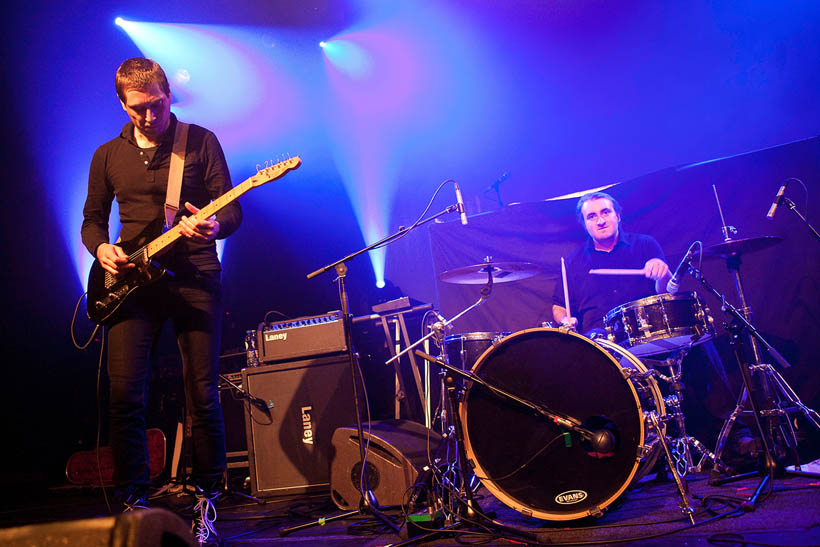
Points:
(258, 168)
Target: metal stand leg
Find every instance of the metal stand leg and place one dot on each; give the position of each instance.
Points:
(683, 488)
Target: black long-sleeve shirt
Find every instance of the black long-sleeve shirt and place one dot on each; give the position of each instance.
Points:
(591, 297)
(138, 179)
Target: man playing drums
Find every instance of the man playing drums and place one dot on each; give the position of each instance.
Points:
(608, 247)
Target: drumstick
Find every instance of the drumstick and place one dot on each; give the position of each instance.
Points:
(566, 290)
(612, 271)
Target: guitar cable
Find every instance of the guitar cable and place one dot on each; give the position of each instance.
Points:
(99, 415)
(73, 321)
(91, 338)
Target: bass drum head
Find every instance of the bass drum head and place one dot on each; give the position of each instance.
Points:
(524, 459)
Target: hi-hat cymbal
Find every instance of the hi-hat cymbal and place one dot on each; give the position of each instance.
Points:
(735, 247)
(502, 272)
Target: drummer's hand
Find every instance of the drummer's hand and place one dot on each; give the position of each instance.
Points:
(656, 269)
(570, 322)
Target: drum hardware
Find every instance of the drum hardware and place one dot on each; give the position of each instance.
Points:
(682, 444)
(596, 438)
(680, 482)
(777, 394)
(778, 437)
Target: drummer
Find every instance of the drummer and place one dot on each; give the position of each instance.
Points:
(608, 246)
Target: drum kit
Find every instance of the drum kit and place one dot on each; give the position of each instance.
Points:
(557, 425)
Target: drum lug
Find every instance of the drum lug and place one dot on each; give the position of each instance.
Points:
(643, 322)
(526, 512)
(596, 512)
(644, 451)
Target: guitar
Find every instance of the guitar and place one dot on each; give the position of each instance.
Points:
(107, 292)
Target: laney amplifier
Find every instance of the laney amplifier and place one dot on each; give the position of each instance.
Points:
(289, 442)
(309, 336)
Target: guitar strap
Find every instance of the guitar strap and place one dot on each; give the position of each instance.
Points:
(175, 173)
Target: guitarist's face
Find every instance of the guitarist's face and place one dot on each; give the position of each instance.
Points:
(149, 109)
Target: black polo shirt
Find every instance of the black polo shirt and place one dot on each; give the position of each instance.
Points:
(592, 296)
(138, 179)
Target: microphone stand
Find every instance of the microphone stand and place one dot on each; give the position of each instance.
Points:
(368, 503)
(496, 187)
(790, 204)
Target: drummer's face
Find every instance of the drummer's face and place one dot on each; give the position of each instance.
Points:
(601, 220)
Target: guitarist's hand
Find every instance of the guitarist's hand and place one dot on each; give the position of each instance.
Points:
(113, 259)
(201, 231)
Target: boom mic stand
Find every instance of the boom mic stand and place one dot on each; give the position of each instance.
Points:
(790, 204)
(368, 504)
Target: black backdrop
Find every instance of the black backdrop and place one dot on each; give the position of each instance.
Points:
(677, 206)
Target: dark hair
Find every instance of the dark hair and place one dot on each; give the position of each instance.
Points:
(139, 73)
(595, 195)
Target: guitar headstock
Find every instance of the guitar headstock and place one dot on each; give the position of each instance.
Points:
(275, 171)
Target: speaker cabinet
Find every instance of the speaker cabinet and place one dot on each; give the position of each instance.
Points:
(289, 448)
(397, 455)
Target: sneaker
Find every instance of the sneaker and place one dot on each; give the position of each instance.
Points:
(204, 516)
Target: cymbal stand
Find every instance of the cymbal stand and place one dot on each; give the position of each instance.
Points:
(683, 444)
(750, 393)
(779, 398)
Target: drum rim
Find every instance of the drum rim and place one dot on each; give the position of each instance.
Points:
(499, 493)
(652, 299)
(655, 336)
(477, 335)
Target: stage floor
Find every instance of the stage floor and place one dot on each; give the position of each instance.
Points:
(647, 512)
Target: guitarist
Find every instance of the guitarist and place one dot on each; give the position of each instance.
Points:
(134, 168)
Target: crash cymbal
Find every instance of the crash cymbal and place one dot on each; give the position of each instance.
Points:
(502, 272)
(735, 247)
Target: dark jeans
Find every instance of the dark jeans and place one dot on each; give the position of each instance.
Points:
(194, 307)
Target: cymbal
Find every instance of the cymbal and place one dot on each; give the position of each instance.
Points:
(502, 272)
(735, 247)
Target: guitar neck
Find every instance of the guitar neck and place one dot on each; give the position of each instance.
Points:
(170, 237)
(262, 176)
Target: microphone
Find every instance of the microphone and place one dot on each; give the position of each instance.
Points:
(674, 283)
(460, 201)
(777, 199)
(602, 444)
(494, 186)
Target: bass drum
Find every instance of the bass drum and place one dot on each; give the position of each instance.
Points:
(525, 460)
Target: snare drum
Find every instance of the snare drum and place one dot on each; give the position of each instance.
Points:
(530, 463)
(463, 350)
(660, 323)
